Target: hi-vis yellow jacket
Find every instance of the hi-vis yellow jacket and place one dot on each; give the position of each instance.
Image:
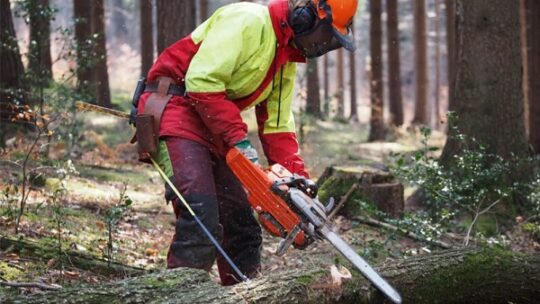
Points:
(238, 59)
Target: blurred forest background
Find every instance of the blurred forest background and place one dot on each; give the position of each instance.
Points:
(443, 95)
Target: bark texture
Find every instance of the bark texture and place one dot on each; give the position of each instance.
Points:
(147, 39)
(175, 19)
(10, 57)
(532, 17)
(40, 63)
(376, 131)
(352, 80)
(420, 63)
(451, 48)
(454, 276)
(313, 100)
(340, 94)
(82, 13)
(489, 98)
(394, 64)
(101, 75)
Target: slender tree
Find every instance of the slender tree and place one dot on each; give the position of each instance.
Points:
(82, 13)
(40, 63)
(352, 83)
(175, 19)
(489, 97)
(101, 75)
(532, 17)
(340, 96)
(376, 84)
(313, 100)
(147, 37)
(326, 102)
(394, 62)
(203, 8)
(450, 6)
(420, 62)
(437, 82)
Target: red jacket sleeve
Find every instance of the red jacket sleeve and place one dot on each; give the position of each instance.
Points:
(220, 115)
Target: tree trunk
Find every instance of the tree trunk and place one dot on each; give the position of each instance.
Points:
(11, 71)
(437, 84)
(376, 131)
(452, 276)
(326, 105)
(420, 62)
(12, 68)
(489, 98)
(340, 96)
(101, 75)
(147, 39)
(394, 62)
(203, 9)
(40, 64)
(313, 100)
(532, 11)
(175, 20)
(451, 49)
(352, 80)
(82, 14)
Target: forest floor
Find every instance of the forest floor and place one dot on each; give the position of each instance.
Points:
(106, 165)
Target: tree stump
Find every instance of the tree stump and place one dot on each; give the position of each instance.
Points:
(374, 185)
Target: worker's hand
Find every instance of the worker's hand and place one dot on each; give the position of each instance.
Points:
(248, 150)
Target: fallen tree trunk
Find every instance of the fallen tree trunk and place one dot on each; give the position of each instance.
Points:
(453, 276)
(70, 257)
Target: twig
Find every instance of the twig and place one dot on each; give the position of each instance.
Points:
(476, 216)
(342, 201)
(409, 234)
(31, 285)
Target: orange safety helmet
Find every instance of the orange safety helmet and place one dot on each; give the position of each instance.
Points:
(341, 13)
(322, 25)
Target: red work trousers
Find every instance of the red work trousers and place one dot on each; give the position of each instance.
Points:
(220, 202)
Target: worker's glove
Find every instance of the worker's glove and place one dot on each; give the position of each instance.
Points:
(248, 150)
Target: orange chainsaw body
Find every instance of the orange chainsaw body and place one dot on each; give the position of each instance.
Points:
(274, 213)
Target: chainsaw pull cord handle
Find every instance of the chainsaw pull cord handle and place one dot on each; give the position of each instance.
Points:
(210, 236)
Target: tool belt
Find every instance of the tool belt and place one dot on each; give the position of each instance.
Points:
(148, 123)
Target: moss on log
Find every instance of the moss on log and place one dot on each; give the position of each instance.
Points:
(374, 185)
(70, 257)
(454, 276)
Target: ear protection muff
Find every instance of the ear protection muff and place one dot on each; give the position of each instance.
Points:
(303, 19)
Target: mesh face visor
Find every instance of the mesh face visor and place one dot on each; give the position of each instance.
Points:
(320, 40)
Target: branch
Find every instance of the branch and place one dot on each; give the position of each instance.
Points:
(409, 234)
(31, 285)
(342, 201)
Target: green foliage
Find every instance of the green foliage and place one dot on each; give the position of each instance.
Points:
(112, 216)
(8, 202)
(475, 182)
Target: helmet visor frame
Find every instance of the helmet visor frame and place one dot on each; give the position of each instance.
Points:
(318, 41)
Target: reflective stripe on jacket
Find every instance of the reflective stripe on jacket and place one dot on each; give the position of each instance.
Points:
(239, 58)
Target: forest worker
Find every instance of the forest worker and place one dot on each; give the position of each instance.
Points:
(243, 56)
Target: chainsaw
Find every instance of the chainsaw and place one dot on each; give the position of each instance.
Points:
(286, 209)
(285, 206)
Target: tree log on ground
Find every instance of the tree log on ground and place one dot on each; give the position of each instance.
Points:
(456, 276)
(70, 257)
